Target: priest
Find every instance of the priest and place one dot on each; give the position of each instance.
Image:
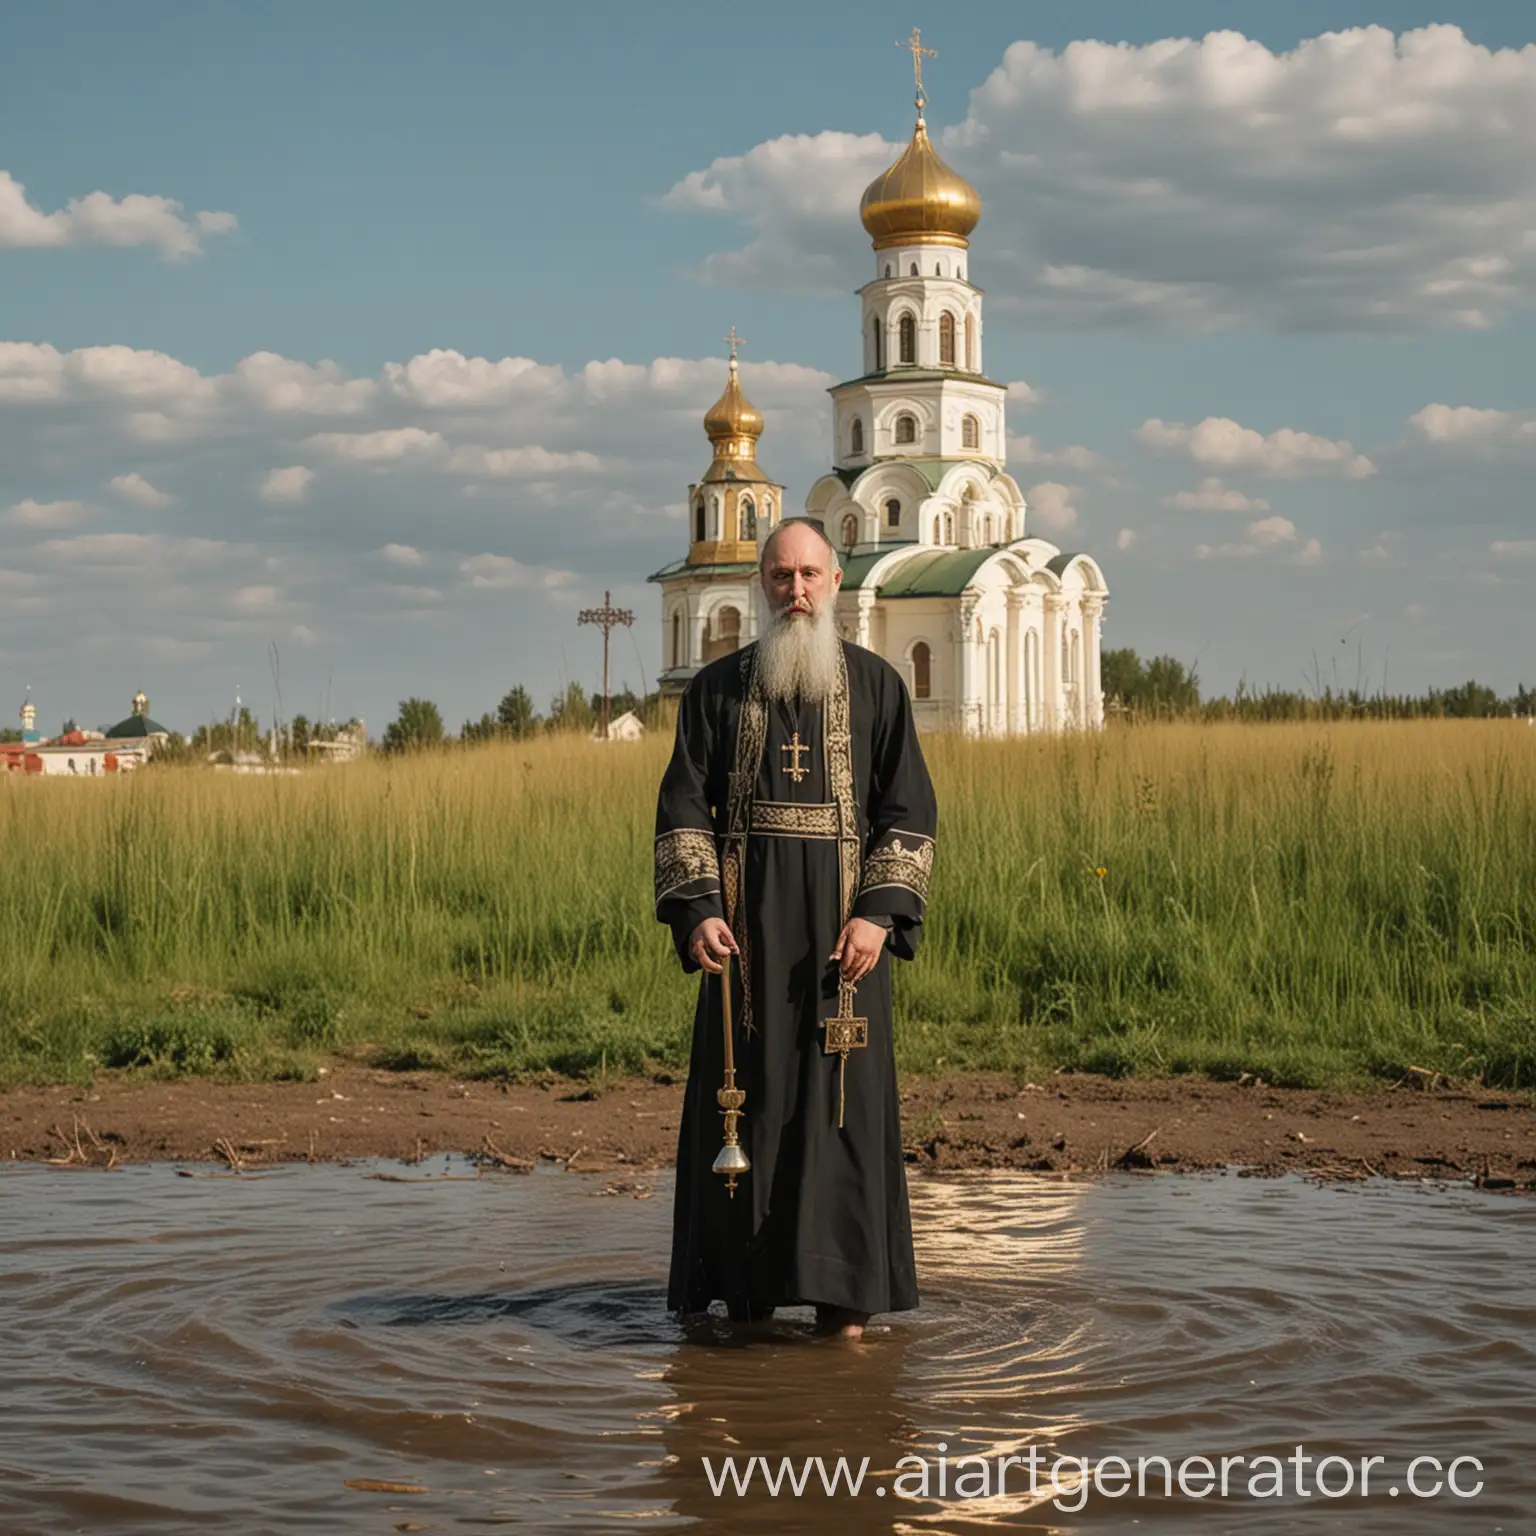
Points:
(794, 842)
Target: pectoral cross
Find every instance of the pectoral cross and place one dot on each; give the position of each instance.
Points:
(794, 767)
(844, 1033)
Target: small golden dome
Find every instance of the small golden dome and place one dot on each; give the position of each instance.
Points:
(733, 415)
(919, 200)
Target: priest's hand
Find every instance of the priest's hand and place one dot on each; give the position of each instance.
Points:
(710, 943)
(858, 948)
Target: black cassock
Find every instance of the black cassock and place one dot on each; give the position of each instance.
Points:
(785, 819)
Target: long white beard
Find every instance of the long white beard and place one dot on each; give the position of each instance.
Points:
(799, 657)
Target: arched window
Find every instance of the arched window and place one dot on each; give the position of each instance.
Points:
(949, 527)
(877, 333)
(677, 639)
(850, 531)
(970, 343)
(698, 523)
(906, 428)
(893, 513)
(946, 340)
(970, 432)
(722, 633)
(714, 517)
(922, 670)
(907, 332)
(986, 536)
(768, 509)
(887, 269)
(857, 444)
(747, 518)
(938, 529)
(914, 269)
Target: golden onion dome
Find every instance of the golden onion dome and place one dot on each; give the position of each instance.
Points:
(919, 200)
(733, 415)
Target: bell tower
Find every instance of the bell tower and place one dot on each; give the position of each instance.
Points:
(708, 606)
(922, 394)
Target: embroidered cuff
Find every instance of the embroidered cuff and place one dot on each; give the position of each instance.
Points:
(904, 860)
(686, 864)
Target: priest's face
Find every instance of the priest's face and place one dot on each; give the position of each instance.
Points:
(798, 655)
(798, 578)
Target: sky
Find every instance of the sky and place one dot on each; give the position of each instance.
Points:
(347, 353)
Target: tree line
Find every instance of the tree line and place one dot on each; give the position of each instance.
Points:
(574, 710)
(1164, 688)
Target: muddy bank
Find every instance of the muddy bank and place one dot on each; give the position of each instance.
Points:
(1069, 1123)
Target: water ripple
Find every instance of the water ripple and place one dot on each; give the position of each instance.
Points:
(248, 1355)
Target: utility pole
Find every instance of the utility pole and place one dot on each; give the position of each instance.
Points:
(606, 618)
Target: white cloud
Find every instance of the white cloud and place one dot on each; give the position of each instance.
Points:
(138, 551)
(255, 602)
(1360, 181)
(1468, 427)
(1266, 535)
(1268, 531)
(391, 446)
(135, 488)
(401, 554)
(97, 219)
(1049, 505)
(447, 380)
(1022, 396)
(45, 514)
(527, 463)
(1517, 549)
(1212, 496)
(503, 573)
(286, 485)
(281, 385)
(303, 635)
(1073, 457)
(1125, 538)
(1221, 443)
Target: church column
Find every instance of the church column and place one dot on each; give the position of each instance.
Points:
(1093, 683)
(1014, 665)
(864, 620)
(1055, 695)
(969, 702)
(696, 634)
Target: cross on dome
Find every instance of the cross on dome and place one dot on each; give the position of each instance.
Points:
(914, 46)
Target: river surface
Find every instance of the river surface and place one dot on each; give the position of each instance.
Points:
(230, 1354)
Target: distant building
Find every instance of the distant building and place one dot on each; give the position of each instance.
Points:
(625, 727)
(349, 742)
(84, 754)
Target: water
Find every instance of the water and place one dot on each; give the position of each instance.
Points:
(227, 1354)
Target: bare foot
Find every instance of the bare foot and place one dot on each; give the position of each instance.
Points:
(840, 1323)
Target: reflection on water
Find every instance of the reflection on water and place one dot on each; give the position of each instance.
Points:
(201, 1355)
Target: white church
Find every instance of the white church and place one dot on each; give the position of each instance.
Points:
(995, 631)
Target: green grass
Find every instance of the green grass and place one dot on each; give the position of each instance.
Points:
(1314, 905)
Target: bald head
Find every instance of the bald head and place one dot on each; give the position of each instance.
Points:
(807, 535)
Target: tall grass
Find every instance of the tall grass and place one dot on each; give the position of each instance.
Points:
(1309, 904)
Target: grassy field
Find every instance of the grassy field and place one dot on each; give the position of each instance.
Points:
(1314, 905)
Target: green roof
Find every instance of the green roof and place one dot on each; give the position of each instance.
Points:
(682, 568)
(135, 725)
(857, 567)
(937, 573)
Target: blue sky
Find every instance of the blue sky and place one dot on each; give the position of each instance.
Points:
(510, 182)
